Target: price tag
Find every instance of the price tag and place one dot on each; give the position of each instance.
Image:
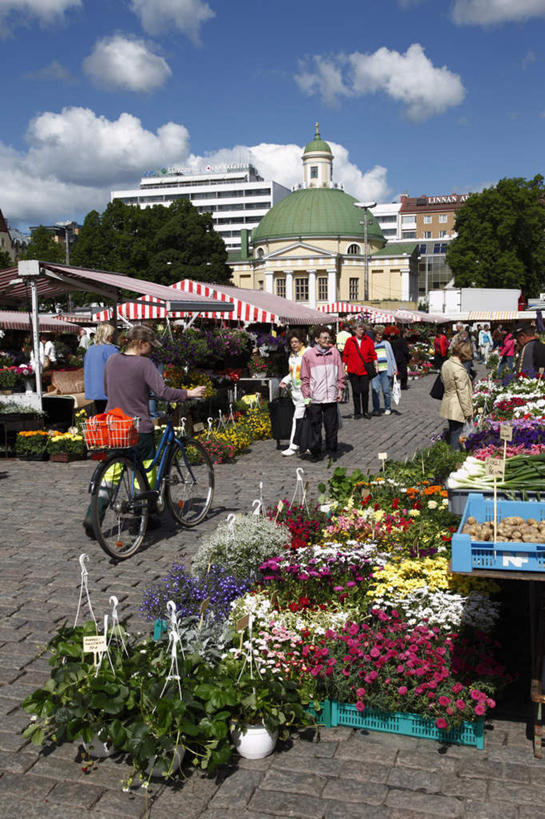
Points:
(242, 622)
(382, 456)
(94, 644)
(280, 506)
(506, 432)
(494, 468)
(198, 427)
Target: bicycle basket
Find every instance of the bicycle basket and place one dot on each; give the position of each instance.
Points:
(111, 430)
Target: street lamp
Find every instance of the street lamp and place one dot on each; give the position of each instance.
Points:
(66, 225)
(365, 222)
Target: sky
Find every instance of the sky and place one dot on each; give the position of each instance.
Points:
(417, 96)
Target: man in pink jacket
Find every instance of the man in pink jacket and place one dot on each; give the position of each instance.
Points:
(322, 384)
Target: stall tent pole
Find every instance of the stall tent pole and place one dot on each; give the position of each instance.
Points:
(30, 271)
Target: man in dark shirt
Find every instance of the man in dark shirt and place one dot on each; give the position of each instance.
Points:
(531, 357)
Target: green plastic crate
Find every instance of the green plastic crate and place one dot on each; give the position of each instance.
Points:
(412, 725)
(323, 715)
(159, 628)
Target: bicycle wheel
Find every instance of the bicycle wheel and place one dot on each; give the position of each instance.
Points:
(189, 482)
(119, 517)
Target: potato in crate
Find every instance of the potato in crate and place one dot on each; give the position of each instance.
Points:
(520, 536)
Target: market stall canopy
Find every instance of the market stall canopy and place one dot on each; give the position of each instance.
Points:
(373, 314)
(53, 280)
(11, 320)
(241, 304)
(500, 315)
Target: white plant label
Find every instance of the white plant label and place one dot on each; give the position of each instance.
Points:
(506, 432)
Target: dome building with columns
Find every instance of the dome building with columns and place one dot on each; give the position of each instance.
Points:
(310, 247)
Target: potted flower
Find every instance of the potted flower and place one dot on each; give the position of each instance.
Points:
(66, 446)
(263, 705)
(257, 365)
(25, 371)
(31, 445)
(8, 380)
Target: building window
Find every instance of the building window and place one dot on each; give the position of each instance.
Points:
(281, 288)
(322, 288)
(353, 250)
(443, 217)
(260, 284)
(260, 253)
(409, 234)
(442, 234)
(314, 171)
(427, 220)
(422, 248)
(407, 220)
(301, 289)
(353, 289)
(427, 234)
(443, 248)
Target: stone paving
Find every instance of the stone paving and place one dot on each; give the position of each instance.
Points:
(346, 773)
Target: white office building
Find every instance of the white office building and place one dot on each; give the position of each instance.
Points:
(236, 197)
(389, 220)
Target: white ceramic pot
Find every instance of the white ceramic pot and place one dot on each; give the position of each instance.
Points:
(97, 748)
(154, 770)
(256, 742)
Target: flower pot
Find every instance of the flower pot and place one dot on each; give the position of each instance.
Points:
(29, 385)
(98, 749)
(6, 392)
(256, 742)
(34, 457)
(155, 770)
(64, 457)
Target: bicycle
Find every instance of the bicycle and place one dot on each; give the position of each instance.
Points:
(181, 478)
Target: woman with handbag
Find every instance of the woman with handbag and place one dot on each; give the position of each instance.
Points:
(457, 403)
(358, 357)
(292, 381)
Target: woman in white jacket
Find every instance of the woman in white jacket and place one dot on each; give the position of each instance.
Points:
(292, 381)
(457, 403)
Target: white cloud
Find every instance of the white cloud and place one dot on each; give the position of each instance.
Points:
(528, 59)
(283, 164)
(410, 78)
(76, 158)
(124, 63)
(488, 12)
(18, 12)
(158, 16)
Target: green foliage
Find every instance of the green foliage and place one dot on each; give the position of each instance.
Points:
(501, 237)
(341, 486)
(433, 464)
(159, 244)
(43, 246)
(5, 260)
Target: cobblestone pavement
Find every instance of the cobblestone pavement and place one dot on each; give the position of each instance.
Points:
(346, 774)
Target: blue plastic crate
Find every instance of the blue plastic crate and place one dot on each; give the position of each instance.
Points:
(518, 557)
(159, 628)
(411, 725)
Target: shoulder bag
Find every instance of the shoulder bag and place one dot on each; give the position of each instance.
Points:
(438, 389)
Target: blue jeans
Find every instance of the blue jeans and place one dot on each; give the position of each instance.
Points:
(505, 361)
(381, 381)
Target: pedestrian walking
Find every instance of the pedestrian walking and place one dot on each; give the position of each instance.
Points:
(485, 343)
(94, 363)
(402, 355)
(292, 381)
(358, 357)
(457, 402)
(441, 345)
(507, 354)
(386, 369)
(322, 385)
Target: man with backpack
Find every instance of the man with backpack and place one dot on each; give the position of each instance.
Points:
(531, 357)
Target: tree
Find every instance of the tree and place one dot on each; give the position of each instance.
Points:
(501, 237)
(160, 244)
(5, 260)
(43, 247)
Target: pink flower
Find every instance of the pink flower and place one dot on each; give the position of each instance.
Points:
(460, 704)
(441, 723)
(360, 692)
(360, 705)
(490, 702)
(402, 690)
(444, 700)
(479, 709)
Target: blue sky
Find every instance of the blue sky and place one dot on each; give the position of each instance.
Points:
(423, 96)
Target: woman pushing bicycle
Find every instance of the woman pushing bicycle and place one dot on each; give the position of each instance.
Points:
(129, 378)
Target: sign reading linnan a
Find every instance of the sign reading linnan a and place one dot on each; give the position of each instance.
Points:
(451, 199)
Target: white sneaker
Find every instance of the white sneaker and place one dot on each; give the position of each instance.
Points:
(387, 412)
(290, 451)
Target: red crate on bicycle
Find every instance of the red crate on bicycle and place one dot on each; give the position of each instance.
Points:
(95, 431)
(111, 430)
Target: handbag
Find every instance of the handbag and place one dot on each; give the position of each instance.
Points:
(305, 433)
(438, 389)
(396, 391)
(368, 365)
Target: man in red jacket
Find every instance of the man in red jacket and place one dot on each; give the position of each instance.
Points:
(358, 352)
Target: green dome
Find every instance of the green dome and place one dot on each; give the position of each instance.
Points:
(316, 212)
(317, 144)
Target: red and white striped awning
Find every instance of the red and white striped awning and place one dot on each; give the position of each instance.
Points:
(13, 320)
(373, 314)
(251, 306)
(499, 315)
